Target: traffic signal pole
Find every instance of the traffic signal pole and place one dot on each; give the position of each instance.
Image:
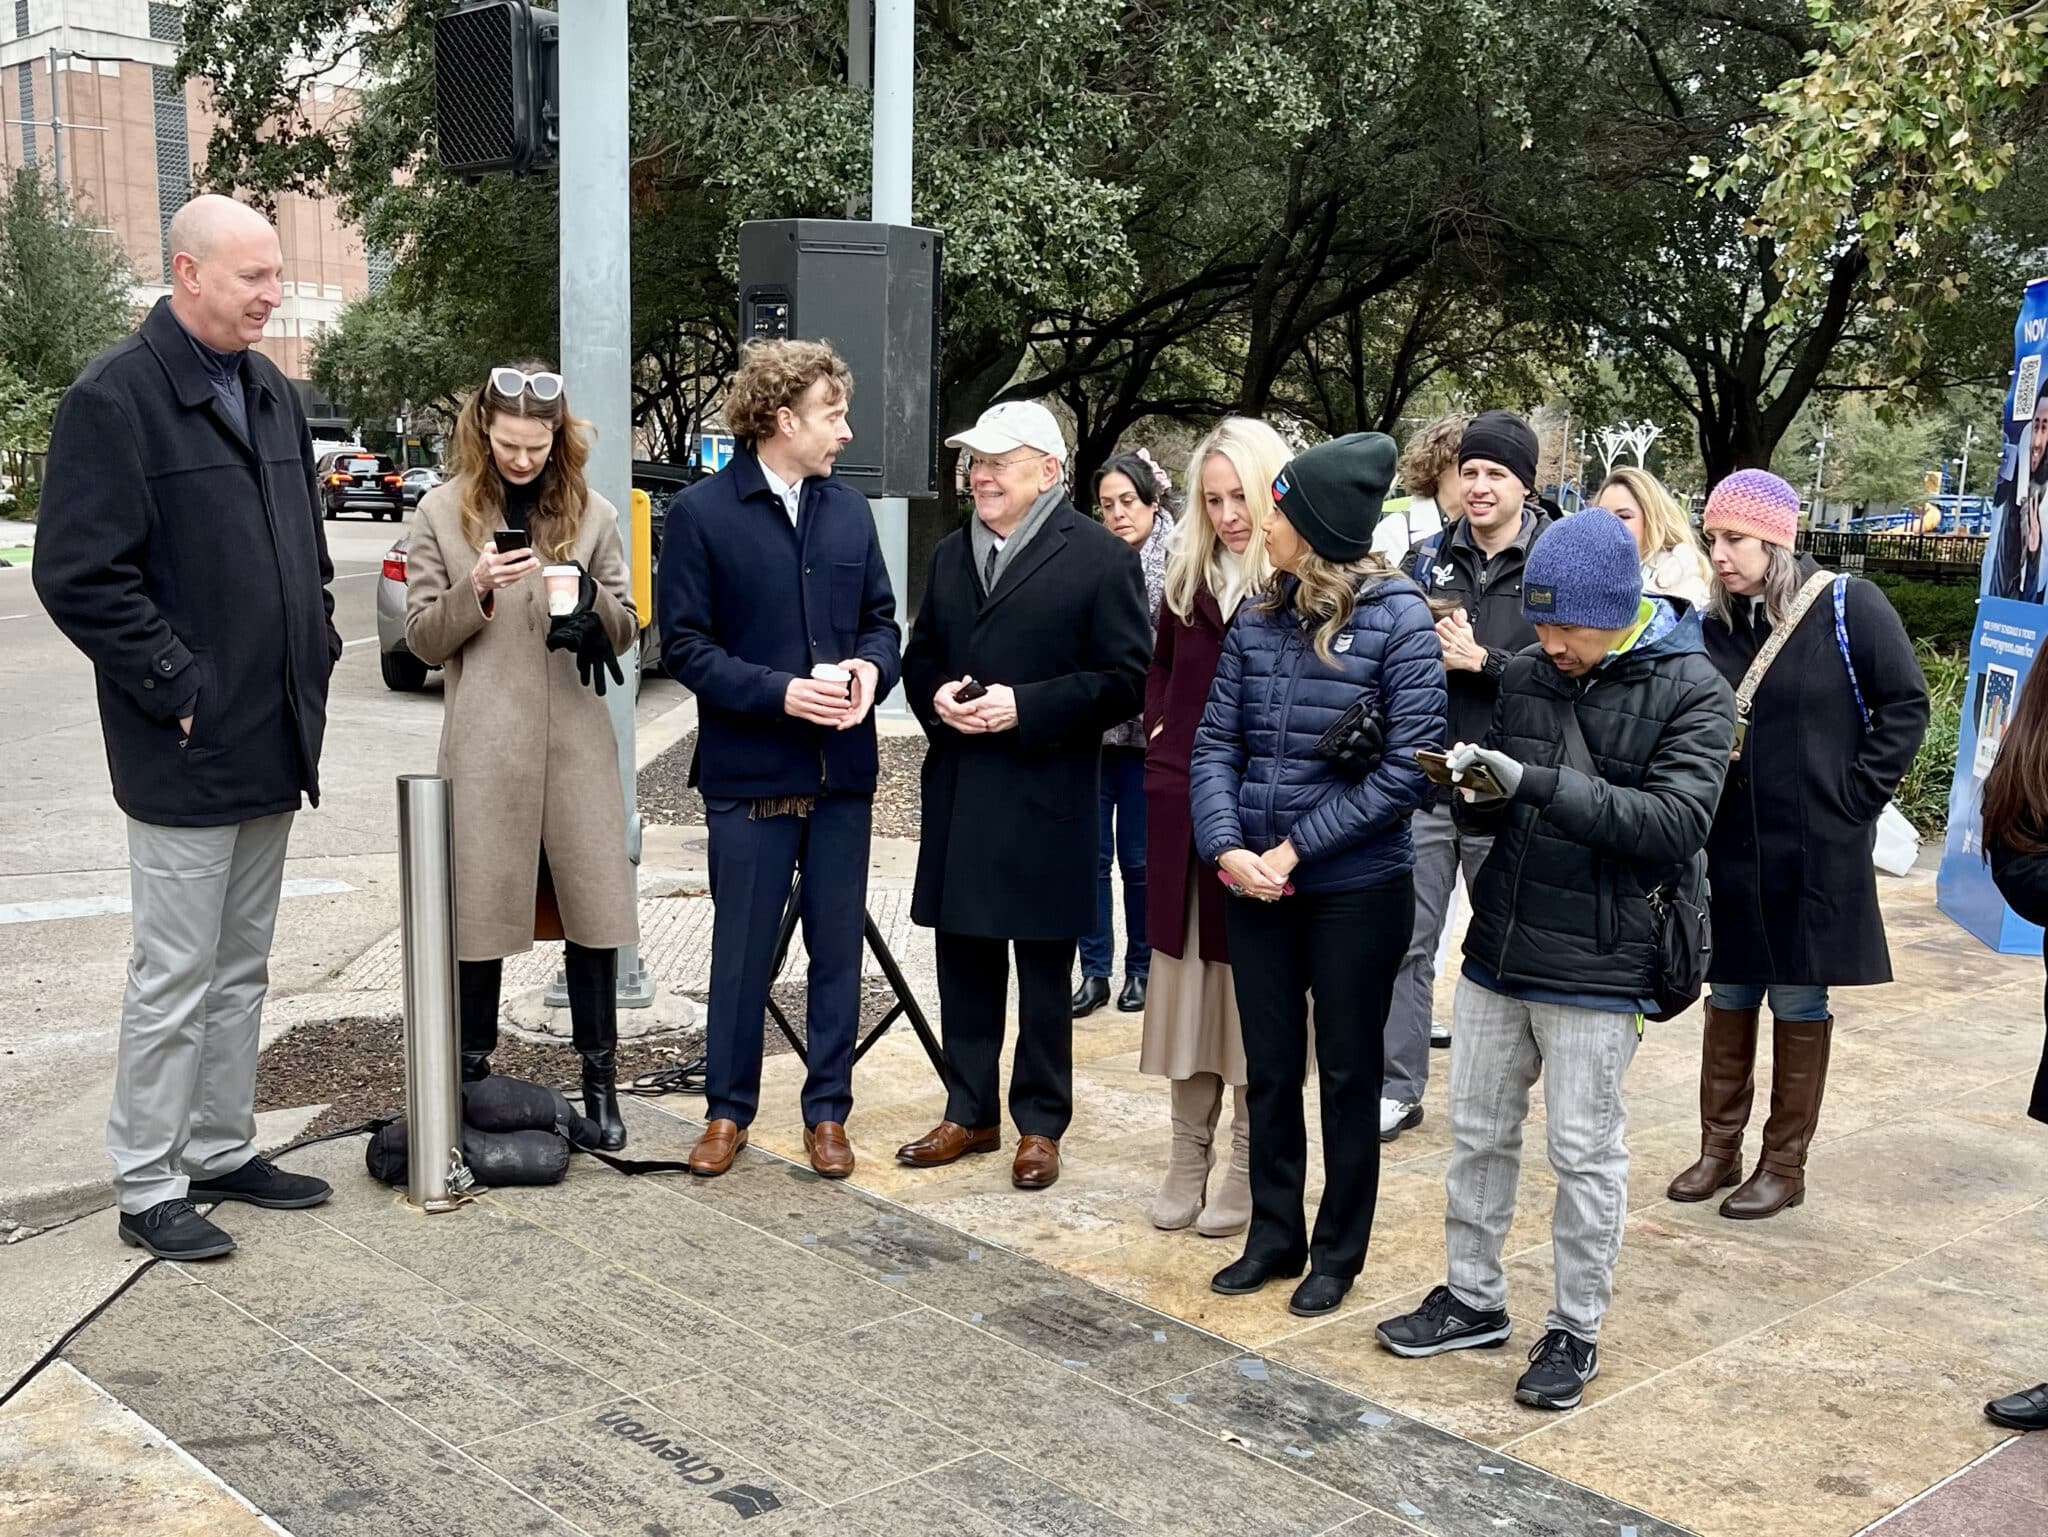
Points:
(597, 299)
(895, 59)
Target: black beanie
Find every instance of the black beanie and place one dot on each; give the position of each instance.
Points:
(1332, 493)
(1504, 438)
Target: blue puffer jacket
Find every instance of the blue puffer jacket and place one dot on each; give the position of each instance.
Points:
(1255, 781)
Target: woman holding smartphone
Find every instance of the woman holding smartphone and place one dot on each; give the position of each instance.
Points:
(526, 742)
(1303, 778)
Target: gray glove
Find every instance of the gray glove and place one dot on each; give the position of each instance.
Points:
(1503, 768)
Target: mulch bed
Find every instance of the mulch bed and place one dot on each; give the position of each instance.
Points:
(356, 1066)
(666, 799)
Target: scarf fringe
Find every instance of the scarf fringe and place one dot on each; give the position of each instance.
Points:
(782, 806)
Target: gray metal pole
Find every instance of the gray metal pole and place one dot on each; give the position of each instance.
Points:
(894, 70)
(435, 1173)
(597, 330)
(56, 131)
(859, 67)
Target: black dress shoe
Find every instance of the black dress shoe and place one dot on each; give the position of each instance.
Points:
(1091, 995)
(1317, 1295)
(1248, 1275)
(2024, 1410)
(1132, 999)
(173, 1230)
(262, 1183)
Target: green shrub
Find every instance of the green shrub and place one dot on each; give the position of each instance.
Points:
(1933, 614)
(1923, 794)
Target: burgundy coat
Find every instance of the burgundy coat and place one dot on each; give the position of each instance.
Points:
(1184, 658)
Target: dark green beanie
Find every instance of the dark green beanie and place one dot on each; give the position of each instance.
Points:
(1332, 493)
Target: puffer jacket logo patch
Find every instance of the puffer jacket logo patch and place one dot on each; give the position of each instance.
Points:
(1343, 642)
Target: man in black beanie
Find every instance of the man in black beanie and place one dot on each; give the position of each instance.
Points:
(1475, 564)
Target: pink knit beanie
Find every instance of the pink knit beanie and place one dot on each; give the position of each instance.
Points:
(1757, 503)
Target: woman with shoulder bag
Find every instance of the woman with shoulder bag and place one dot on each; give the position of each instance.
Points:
(526, 742)
(1304, 774)
(2015, 830)
(1192, 1036)
(1830, 709)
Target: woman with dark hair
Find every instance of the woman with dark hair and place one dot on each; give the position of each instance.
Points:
(1131, 493)
(1303, 778)
(526, 743)
(1830, 709)
(2015, 828)
(2016, 569)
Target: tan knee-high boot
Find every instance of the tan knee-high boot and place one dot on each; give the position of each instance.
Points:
(1799, 1078)
(1230, 1210)
(1727, 1088)
(1196, 1103)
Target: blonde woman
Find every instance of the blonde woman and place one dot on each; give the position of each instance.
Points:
(1674, 565)
(1303, 778)
(1191, 1033)
(540, 826)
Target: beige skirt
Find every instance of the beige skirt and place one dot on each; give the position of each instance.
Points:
(1191, 1012)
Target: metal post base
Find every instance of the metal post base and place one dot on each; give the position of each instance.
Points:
(636, 983)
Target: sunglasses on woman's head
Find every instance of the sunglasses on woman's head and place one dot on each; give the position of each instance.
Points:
(544, 387)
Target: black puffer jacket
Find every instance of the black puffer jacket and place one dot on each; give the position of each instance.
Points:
(1561, 903)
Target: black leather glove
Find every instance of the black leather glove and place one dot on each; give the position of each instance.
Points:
(581, 633)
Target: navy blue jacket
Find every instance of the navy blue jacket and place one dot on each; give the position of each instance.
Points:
(1255, 781)
(747, 603)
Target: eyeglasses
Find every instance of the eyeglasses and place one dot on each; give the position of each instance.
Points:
(544, 387)
(1010, 461)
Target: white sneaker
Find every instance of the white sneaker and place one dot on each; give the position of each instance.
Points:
(1439, 1036)
(1397, 1115)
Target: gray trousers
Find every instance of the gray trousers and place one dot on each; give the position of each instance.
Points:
(205, 902)
(1498, 1046)
(1440, 852)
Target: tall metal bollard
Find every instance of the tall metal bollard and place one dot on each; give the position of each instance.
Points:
(435, 1172)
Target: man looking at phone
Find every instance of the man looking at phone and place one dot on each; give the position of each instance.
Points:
(180, 547)
(1033, 639)
(1472, 572)
(1562, 958)
(771, 575)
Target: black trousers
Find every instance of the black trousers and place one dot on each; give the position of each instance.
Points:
(593, 977)
(1346, 948)
(974, 997)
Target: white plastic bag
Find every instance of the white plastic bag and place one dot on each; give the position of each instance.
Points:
(1898, 841)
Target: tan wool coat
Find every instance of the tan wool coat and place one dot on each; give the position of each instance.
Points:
(526, 745)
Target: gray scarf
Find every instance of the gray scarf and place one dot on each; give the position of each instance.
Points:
(980, 541)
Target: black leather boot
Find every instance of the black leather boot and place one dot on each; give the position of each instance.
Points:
(477, 988)
(594, 1020)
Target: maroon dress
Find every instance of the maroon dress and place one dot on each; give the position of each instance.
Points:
(1184, 657)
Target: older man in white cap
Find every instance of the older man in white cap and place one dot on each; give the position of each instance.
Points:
(1031, 642)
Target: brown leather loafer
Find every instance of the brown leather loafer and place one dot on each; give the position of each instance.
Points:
(1037, 1165)
(947, 1141)
(831, 1154)
(716, 1149)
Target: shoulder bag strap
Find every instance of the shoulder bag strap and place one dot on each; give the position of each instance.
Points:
(1745, 695)
(1842, 644)
(1576, 752)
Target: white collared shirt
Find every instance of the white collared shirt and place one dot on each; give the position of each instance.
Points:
(790, 494)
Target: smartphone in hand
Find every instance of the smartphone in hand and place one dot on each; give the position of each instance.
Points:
(969, 691)
(1436, 768)
(509, 540)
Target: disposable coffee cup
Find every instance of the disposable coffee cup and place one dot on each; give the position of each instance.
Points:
(565, 586)
(827, 672)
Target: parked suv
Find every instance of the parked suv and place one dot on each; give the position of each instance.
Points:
(352, 480)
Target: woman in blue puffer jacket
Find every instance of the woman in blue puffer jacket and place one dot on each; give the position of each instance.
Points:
(1318, 854)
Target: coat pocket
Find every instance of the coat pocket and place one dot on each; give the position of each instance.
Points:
(848, 576)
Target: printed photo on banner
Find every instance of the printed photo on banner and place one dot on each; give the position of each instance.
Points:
(2015, 568)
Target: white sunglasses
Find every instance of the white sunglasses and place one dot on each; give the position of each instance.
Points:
(544, 387)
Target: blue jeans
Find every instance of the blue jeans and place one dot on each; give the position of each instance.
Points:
(1123, 844)
(1789, 1000)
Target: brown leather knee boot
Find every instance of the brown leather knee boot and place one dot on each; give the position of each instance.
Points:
(1727, 1088)
(1799, 1077)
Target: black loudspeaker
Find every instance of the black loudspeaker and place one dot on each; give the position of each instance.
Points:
(872, 291)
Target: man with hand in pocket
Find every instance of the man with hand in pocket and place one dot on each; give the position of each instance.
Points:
(771, 575)
(180, 547)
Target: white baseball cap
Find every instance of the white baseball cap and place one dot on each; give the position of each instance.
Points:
(1014, 424)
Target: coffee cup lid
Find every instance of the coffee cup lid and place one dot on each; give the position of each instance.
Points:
(830, 672)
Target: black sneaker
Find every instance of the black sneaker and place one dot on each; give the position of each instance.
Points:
(262, 1183)
(1444, 1323)
(1559, 1368)
(174, 1230)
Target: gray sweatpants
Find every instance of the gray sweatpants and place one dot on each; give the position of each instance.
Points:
(205, 902)
(1498, 1046)
(1440, 853)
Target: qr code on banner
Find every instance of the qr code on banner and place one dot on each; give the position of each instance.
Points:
(2026, 387)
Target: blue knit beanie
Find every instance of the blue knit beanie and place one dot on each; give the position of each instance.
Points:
(1584, 570)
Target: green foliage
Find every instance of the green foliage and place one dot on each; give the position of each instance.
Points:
(1935, 615)
(63, 289)
(1923, 793)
